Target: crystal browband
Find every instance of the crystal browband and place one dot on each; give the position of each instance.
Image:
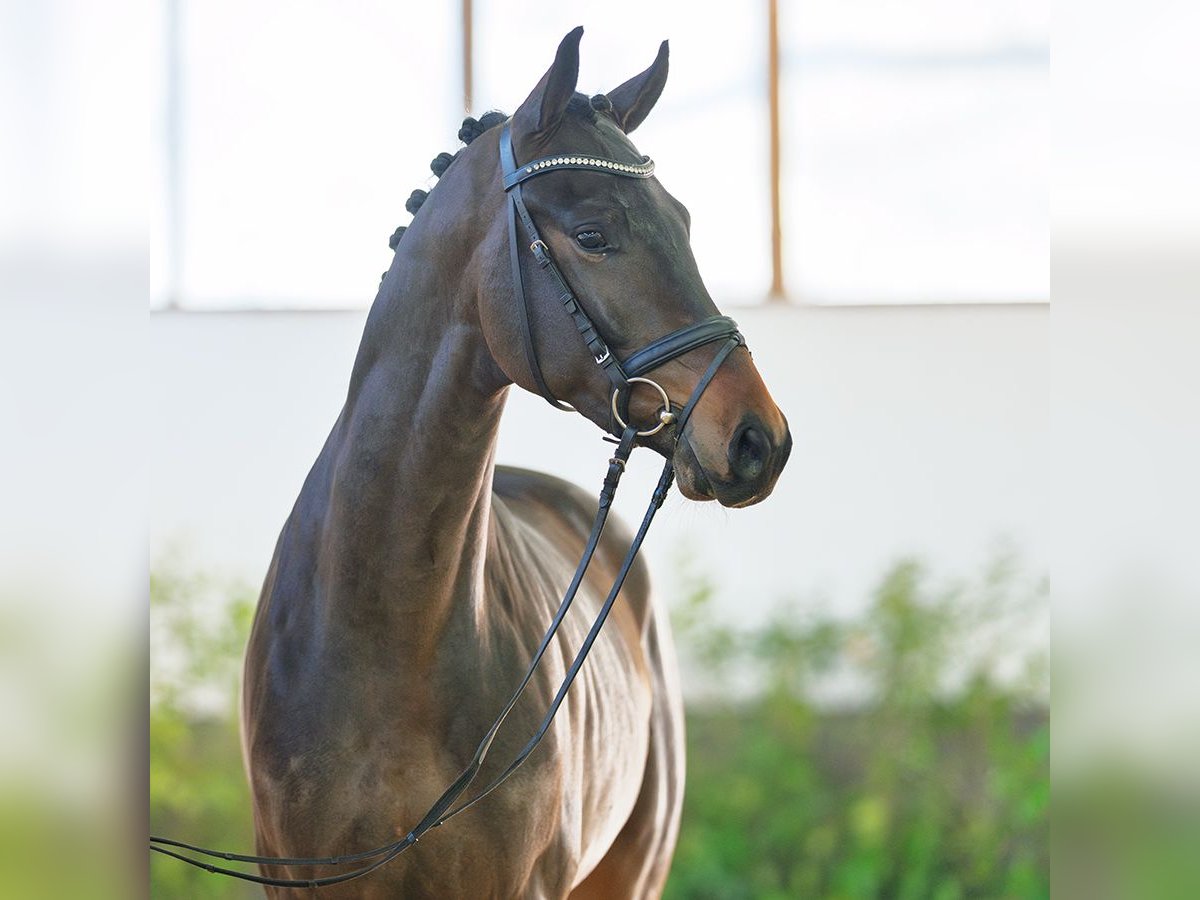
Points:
(644, 169)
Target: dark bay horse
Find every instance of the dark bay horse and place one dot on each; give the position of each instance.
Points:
(414, 578)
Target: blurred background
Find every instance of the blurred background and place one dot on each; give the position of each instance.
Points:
(864, 653)
(899, 314)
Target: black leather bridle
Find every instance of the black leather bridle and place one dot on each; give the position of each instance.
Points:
(635, 367)
(622, 377)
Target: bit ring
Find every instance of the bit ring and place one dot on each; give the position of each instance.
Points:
(665, 416)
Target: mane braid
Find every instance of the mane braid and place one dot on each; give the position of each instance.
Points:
(580, 106)
(471, 129)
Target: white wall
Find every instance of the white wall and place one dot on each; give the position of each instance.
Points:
(918, 430)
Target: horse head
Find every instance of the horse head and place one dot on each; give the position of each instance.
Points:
(623, 247)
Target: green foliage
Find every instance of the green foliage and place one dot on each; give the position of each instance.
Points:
(870, 758)
(198, 793)
(932, 783)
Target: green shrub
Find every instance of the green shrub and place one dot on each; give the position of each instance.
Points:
(931, 783)
(198, 792)
(874, 757)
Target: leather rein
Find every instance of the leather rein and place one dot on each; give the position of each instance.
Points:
(622, 377)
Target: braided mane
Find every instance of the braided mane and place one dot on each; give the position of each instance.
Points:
(579, 105)
(471, 129)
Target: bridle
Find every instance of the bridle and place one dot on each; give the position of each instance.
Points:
(622, 377)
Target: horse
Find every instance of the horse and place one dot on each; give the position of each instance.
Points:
(413, 577)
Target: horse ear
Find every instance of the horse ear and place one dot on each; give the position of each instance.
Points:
(633, 100)
(543, 108)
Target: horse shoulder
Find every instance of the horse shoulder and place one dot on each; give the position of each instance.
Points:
(563, 513)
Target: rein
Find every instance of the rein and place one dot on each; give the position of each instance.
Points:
(622, 377)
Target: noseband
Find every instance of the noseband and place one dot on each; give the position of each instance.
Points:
(622, 377)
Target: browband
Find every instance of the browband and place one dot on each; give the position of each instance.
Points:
(644, 169)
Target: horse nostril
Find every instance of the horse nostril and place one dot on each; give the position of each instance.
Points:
(749, 452)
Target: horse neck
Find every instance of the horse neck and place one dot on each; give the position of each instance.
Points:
(411, 457)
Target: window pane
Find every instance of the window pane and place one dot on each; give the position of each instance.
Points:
(712, 116)
(305, 127)
(915, 151)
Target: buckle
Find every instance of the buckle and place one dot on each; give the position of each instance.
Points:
(540, 252)
(603, 357)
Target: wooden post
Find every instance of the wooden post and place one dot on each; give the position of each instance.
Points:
(777, 292)
(468, 59)
(174, 164)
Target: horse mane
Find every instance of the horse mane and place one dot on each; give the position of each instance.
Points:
(579, 106)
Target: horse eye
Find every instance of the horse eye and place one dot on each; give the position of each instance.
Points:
(591, 240)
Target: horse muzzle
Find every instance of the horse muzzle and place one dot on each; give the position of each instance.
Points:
(753, 458)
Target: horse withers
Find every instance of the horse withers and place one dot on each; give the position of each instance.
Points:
(413, 578)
